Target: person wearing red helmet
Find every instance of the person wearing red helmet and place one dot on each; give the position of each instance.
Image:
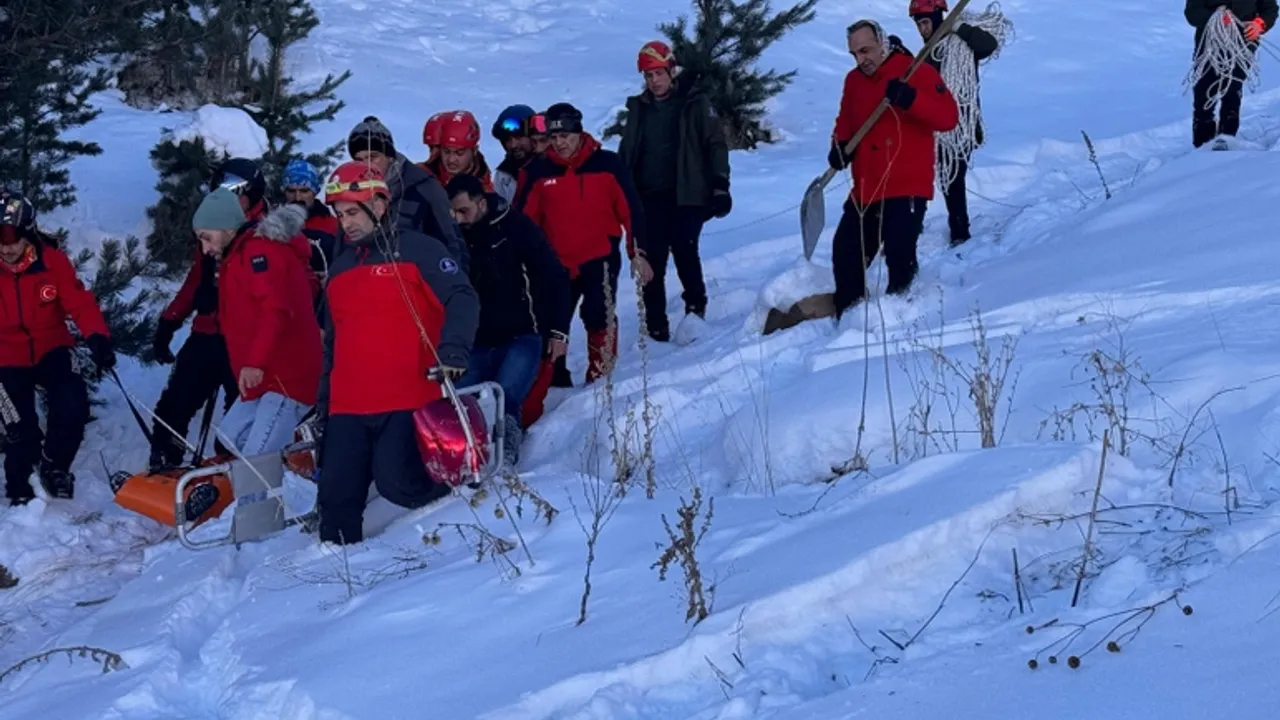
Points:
(266, 314)
(891, 190)
(418, 200)
(582, 197)
(1252, 19)
(432, 132)
(399, 310)
(674, 148)
(955, 148)
(40, 292)
(202, 365)
(459, 150)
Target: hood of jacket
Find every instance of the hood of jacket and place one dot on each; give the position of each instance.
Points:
(282, 224)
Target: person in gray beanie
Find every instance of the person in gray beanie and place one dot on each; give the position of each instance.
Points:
(417, 198)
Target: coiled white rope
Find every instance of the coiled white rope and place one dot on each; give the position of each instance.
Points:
(1224, 51)
(960, 74)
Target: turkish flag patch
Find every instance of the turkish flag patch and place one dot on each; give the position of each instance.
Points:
(48, 293)
(259, 263)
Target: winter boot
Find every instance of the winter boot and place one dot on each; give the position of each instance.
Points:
(59, 484)
(602, 354)
(533, 405)
(512, 436)
(692, 327)
(1203, 130)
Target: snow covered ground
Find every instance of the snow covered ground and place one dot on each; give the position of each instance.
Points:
(834, 591)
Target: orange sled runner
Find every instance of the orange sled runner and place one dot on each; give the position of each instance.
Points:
(187, 497)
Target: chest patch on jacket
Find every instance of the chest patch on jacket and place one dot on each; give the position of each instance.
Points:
(48, 293)
(448, 266)
(259, 263)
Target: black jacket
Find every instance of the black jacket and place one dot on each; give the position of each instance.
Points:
(420, 202)
(523, 288)
(703, 164)
(1198, 12)
(983, 44)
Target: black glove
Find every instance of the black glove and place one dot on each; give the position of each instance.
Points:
(101, 352)
(836, 157)
(964, 32)
(160, 343)
(721, 203)
(206, 300)
(900, 94)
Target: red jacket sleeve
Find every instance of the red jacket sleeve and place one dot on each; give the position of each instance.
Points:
(533, 206)
(846, 123)
(76, 299)
(934, 106)
(184, 303)
(267, 265)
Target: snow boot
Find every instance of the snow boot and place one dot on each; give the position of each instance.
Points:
(59, 484)
(692, 327)
(535, 401)
(512, 436)
(602, 354)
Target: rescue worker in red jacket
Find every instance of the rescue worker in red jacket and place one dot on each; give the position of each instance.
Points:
(398, 310)
(301, 185)
(457, 151)
(432, 132)
(266, 313)
(583, 199)
(39, 291)
(201, 366)
(893, 166)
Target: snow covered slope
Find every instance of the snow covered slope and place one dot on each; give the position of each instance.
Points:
(888, 592)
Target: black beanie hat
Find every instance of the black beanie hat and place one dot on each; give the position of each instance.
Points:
(563, 117)
(370, 134)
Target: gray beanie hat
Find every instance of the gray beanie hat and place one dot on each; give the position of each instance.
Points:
(220, 210)
(371, 134)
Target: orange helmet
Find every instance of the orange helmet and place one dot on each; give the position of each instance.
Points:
(654, 55)
(431, 132)
(926, 7)
(459, 129)
(357, 182)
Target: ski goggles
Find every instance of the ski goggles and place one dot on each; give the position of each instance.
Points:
(512, 126)
(538, 125)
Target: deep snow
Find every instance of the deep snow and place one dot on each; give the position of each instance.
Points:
(814, 580)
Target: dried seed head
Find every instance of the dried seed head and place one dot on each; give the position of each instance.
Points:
(1033, 664)
(1186, 610)
(498, 513)
(1073, 662)
(1053, 659)
(1030, 629)
(1113, 646)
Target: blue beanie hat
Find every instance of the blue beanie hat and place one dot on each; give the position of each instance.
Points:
(299, 173)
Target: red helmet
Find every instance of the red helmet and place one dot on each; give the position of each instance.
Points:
(355, 181)
(654, 55)
(459, 130)
(431, 132)
(443, 441)
(926, 7)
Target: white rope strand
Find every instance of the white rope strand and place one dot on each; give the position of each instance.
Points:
(1223, 51)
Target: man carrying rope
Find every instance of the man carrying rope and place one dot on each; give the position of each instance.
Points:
(892, 167)
(398, 308)
(1227, 37)
(956, 58)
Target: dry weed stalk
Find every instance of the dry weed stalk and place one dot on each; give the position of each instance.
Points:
(484, 543)
(107, 659)
(1093, 519)
(1124, 631)
(602, 498)
(682, 548)
(649, 412)
(1093, 158)
(522, 492)
(925, 422)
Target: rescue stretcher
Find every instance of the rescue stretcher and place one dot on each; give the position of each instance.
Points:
(186, 498)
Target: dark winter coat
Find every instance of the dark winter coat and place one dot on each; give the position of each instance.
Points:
(375, 358)
(702, 164)
(421, 204)
(984, 45)
(582, 203)
(35, 304)
(436, 167)
(1198, 12)
(523, 288)
(265, 307)
(896, 157)
(322, 232)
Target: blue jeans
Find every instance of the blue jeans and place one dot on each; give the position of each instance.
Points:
(513, 366)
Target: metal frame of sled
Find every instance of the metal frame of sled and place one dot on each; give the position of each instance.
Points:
(258, 482)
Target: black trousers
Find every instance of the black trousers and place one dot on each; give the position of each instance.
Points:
(595, 308)
(200, 368)
(1204, 127)
(958, 205)
(363, 449)
(674, 231)
(895, 224)
(67, 404)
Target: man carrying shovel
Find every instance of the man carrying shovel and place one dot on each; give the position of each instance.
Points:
(893, 164)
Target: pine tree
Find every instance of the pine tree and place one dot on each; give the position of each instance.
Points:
(45, 86)
(127, 305)
(185, 169)
(271, 99)
(728, 37)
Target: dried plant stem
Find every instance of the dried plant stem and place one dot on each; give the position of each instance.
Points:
(1093, 519)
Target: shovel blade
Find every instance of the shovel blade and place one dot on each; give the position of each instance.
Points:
(813, 215)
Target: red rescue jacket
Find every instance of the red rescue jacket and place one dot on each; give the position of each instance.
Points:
(436, 167)
(184, 302)
(265, 307)
(896, 157)
(583, 203)
(375, 358)
(35, 303)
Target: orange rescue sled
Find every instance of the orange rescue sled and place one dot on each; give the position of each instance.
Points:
(152, 494)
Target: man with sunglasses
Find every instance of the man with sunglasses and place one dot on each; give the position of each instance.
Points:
(202, 365)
